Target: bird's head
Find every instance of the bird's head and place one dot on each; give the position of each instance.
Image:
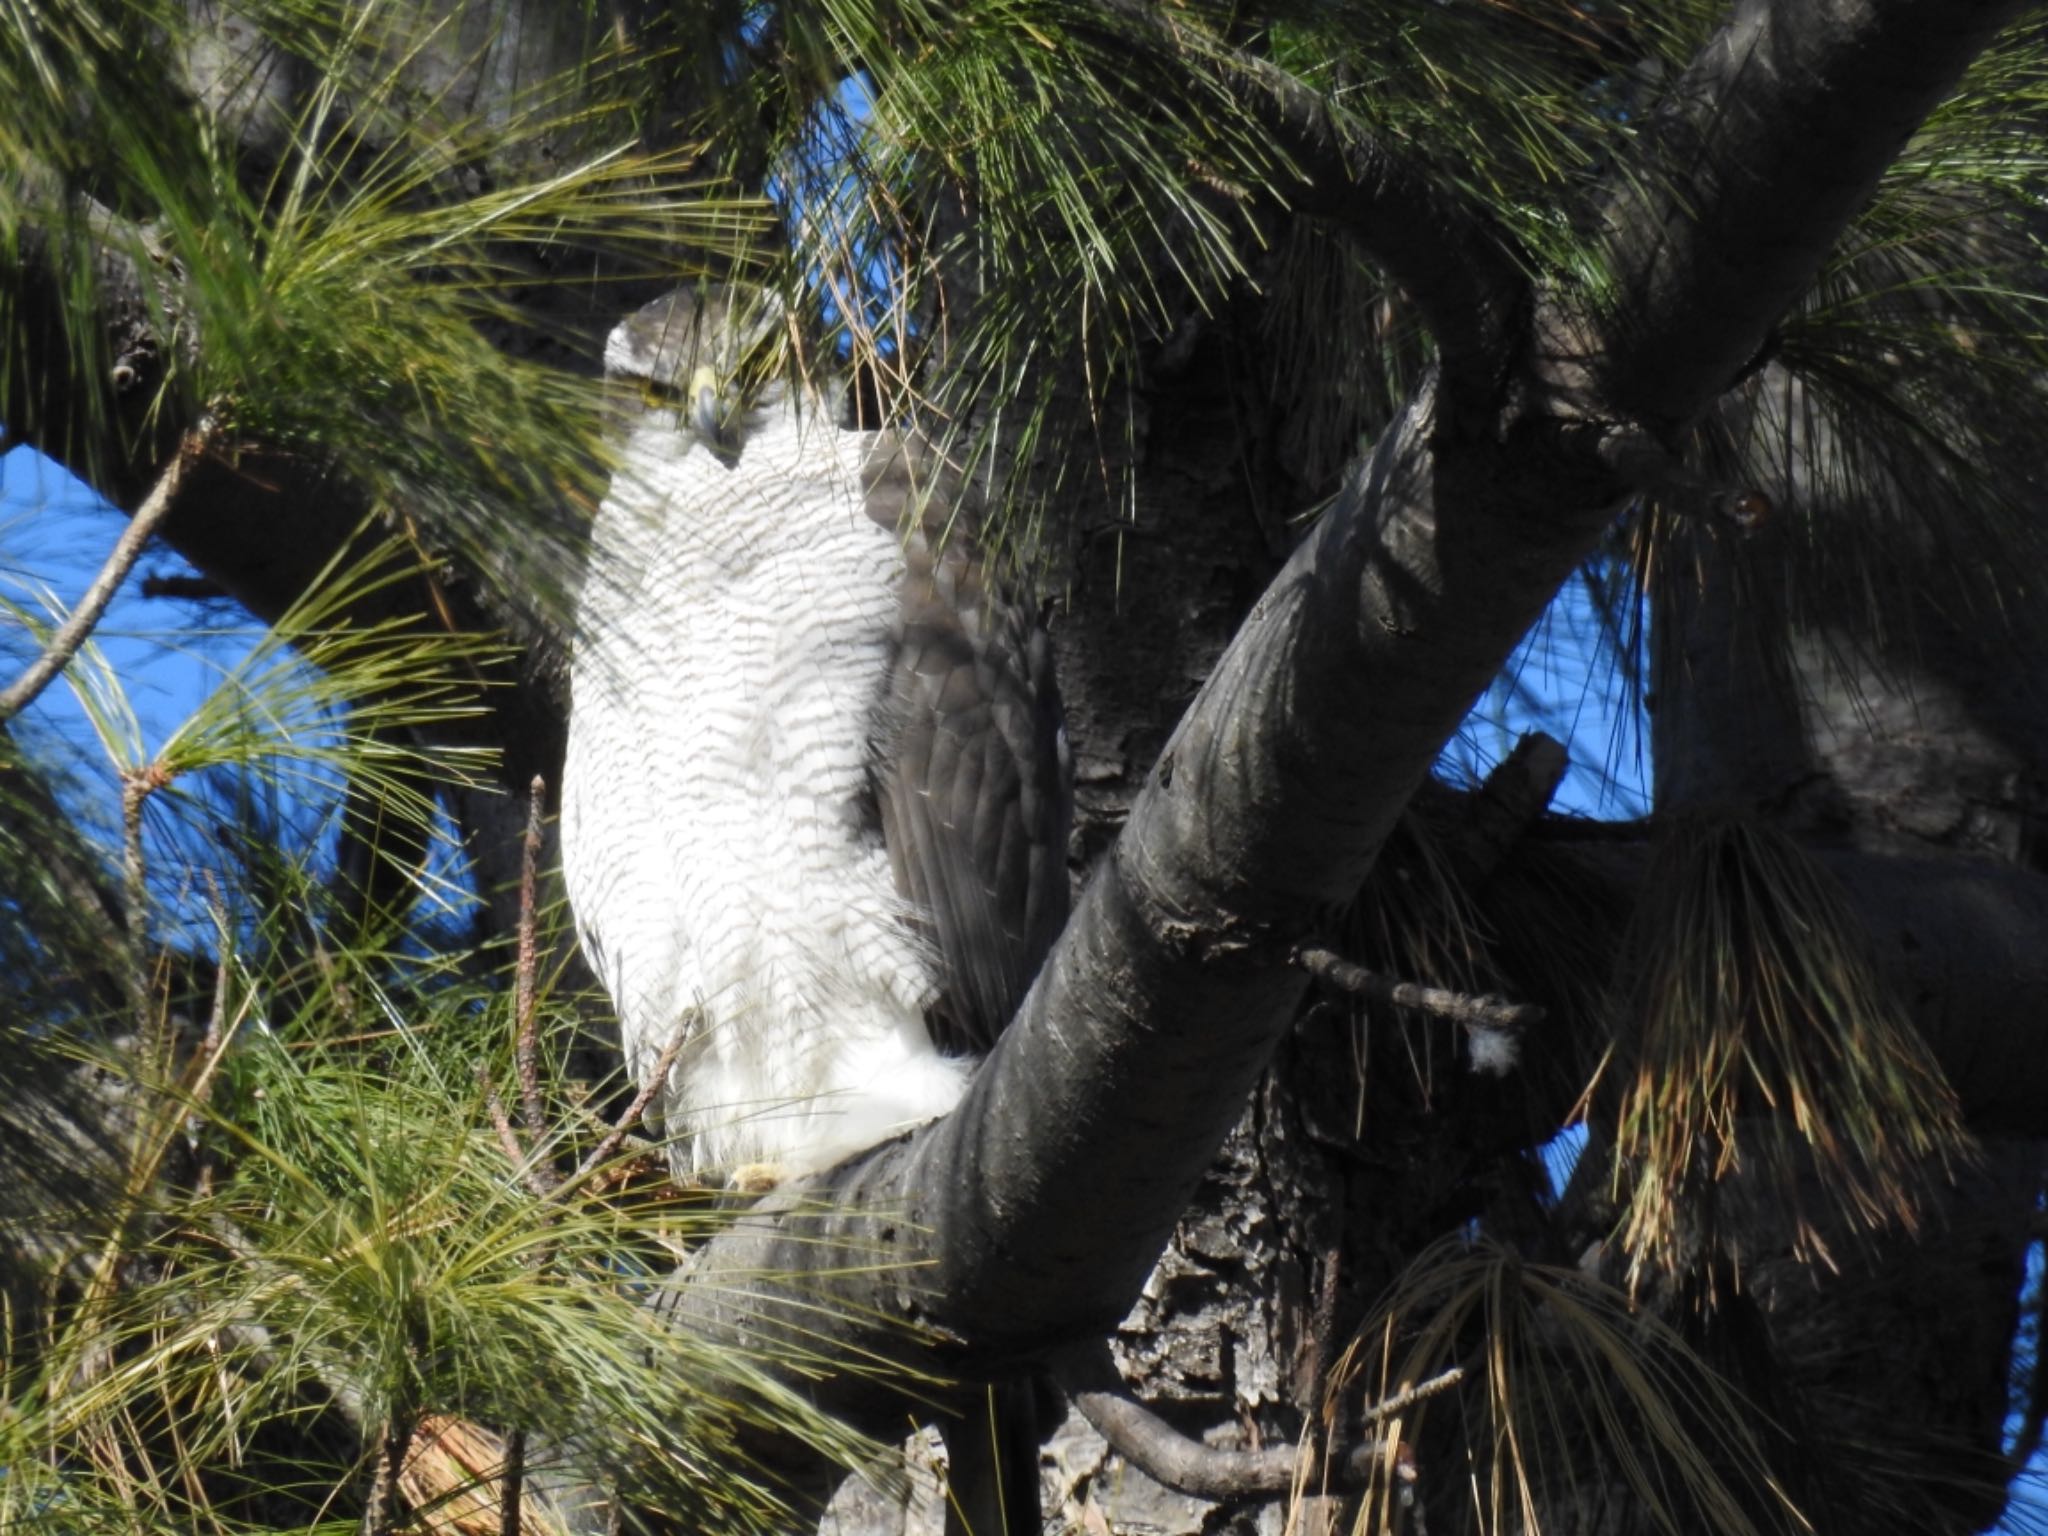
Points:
(688, 354)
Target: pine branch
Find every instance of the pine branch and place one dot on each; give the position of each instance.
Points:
(1454, 262)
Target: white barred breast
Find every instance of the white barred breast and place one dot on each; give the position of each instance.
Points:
(733, 638)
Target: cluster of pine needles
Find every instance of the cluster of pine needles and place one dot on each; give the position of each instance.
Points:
(1755, 1036)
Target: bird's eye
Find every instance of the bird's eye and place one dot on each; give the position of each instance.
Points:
(657, 395)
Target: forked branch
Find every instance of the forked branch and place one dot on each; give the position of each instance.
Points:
(1188, 1466)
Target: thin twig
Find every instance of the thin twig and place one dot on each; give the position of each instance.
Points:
(514, 1483)
(189, 588)
(507, 1137)
(217, 1014)
(625, 1123)
(1459, 1007)
(1408, 1397)
(539, 1174)
(543, 1180)
(152, 1026)
(71, 634)
(1177, 1461)
(1323, 1337)
(213, 1044)
(525, 1006)
(534, 1169)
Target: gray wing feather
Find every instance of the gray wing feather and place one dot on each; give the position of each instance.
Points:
(973, 779)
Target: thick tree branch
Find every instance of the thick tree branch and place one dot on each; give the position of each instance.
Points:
(1766, 149)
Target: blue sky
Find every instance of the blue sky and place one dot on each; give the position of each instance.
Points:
(167, 653)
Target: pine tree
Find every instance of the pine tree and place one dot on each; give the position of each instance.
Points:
(1311, 350)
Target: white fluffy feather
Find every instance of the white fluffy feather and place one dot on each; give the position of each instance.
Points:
(732, 635)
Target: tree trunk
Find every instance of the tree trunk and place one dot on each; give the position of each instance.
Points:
(1914, 732)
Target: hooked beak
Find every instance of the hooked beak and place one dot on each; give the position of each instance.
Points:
(704, 412)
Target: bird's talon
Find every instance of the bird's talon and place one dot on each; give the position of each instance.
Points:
(754, 1178)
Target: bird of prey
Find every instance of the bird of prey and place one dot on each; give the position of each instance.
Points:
(817, 791)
